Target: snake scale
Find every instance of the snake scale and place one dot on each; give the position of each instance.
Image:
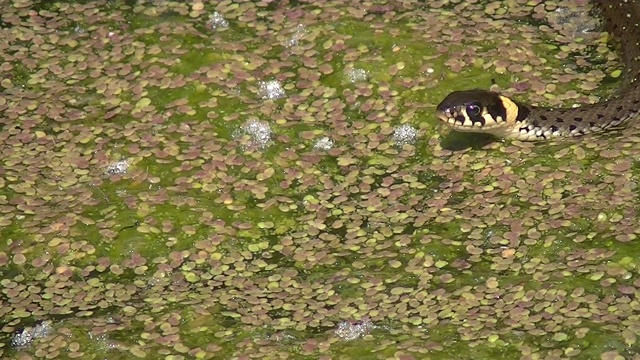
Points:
(484, 111)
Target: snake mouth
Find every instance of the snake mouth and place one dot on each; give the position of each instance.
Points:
(444, 117)
(464, 124)
(459, 123)
(449, 117)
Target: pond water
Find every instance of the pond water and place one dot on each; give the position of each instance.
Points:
(244, 179)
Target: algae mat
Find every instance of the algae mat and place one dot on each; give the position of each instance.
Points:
(236, 179)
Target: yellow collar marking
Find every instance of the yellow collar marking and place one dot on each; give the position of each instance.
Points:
(510, 108)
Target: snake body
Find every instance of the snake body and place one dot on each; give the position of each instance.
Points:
(489, 112)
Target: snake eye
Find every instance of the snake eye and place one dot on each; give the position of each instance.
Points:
(473, 109)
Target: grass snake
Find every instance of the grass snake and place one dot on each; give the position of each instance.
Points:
(485, 111)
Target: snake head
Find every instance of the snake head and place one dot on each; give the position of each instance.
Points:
(480, 111)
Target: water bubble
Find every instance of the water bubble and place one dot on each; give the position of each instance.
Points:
(323, 144)
(271, 90)
(573, 21)
(351, 330)
(217, 21)
(102, 342)
(28, 335)
(259, 131)
(404, 134)
(117, 168)
(357, 75)
(295, 37)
